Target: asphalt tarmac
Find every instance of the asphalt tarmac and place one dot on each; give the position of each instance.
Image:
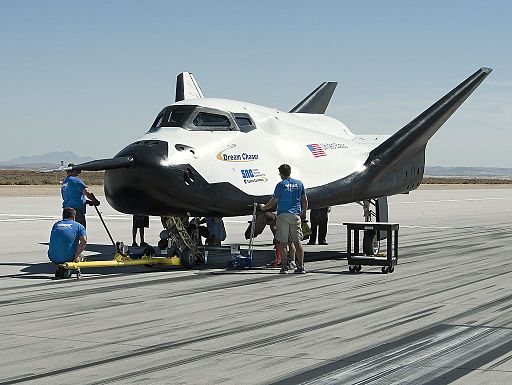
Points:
(443, 316)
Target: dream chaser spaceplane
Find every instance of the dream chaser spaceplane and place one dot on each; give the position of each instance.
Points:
(216, 157)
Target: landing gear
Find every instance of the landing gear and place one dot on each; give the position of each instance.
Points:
(371, 243)
(180, 242)
(187, 258)
(371, 238)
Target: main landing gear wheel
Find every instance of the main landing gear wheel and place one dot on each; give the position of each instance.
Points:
(371, 243)
(187, 258)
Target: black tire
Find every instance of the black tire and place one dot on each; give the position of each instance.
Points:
(392, 269)
(371, 244)
(385, 270)
(149, 251)
(351, 269)
(66, 273)
(358, 268)
(187, 258)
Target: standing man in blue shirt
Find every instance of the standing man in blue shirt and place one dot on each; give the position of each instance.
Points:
(292, 203)
(74, 191)
(67, 241)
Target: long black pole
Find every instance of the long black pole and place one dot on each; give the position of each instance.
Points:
(104, 225)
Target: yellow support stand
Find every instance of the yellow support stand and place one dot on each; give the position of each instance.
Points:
(123, 260)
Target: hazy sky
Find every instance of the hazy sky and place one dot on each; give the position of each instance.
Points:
(90, 76)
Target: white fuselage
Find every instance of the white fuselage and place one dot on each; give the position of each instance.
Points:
(318, 148)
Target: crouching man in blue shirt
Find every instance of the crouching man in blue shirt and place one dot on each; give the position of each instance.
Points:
(67, 241)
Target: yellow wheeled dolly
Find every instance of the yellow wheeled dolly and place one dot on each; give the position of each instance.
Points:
(121, 259)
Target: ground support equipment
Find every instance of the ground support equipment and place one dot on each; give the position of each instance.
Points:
(356, 259)
(181, 243)
(239, 261)
(121, 259)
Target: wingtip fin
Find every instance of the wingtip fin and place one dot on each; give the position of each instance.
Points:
(317, 101)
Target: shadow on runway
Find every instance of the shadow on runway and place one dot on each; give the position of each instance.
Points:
(217, 259)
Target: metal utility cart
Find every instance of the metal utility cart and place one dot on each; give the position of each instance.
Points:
(373, 233)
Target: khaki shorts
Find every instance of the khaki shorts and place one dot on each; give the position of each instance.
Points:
(288, 225)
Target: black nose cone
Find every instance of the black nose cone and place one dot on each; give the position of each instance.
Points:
(139, 189)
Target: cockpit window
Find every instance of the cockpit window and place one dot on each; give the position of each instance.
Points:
(244, 122)
(174, 116)
(158, 121)
(177, 116)
(200, 118)
(209, 120)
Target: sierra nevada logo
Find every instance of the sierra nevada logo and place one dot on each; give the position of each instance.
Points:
(253, 175)
(319, 149)
(235, 156)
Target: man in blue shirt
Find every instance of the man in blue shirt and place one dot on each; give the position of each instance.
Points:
(74, 191)
(67, 240)
(292, 203)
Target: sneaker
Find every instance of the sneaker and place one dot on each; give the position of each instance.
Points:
(143, 244)
(283, 270)
(299, 270)
(134, 244)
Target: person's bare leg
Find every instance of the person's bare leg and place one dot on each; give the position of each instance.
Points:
(293, 252)
(283, 254)
(299, 254)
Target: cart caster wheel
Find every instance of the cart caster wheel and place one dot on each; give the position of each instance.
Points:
(357, 268)
(385, 270)
(392, 269)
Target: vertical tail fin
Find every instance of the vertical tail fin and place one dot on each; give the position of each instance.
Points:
(187, 87)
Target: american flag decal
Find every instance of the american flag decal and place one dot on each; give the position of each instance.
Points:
(316, 150)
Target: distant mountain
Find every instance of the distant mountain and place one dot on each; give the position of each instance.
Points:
(472, 172)
(50, 160)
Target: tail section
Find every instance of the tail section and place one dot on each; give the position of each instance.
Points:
(318, 100)
(187, 87)
(396, 165)
(413, 138)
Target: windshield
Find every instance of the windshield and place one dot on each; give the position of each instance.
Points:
(174, 116)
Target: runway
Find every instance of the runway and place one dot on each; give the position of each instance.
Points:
(443, 316)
